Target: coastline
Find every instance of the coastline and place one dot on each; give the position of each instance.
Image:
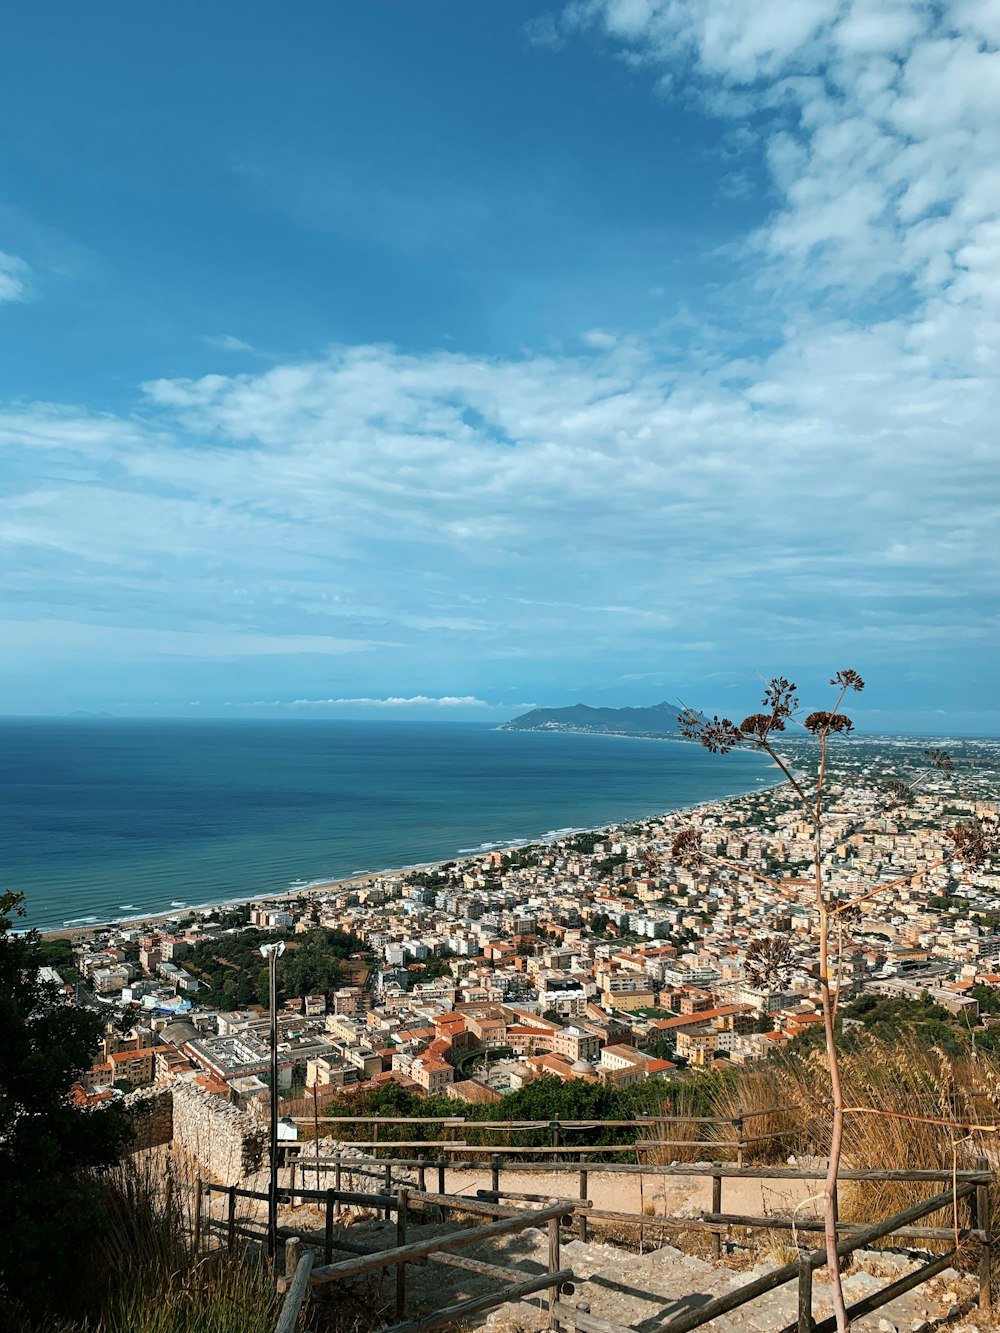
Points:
(315, 888)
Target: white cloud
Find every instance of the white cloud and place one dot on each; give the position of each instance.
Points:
(543, 32)
(52, 638)
(445, 701)
(14, 278)
(371, 494)
(225, 342)
(599, 339)
(882, 123)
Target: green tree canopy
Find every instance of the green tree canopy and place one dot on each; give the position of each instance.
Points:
(48, 1146)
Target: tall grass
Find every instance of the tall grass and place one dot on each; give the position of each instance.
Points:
(234, 1297)
(141, 1275)
(909, 1106)
(766, 1111)
(686, 1136)
(894, 1094)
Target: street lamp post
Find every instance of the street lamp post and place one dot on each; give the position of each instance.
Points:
(272, 952)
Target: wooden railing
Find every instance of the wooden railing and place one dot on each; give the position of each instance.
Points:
(968, 1188)
(301, 1274)
(448, 1127)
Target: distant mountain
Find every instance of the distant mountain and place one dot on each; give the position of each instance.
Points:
(658, 720)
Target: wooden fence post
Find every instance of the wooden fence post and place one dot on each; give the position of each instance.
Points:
(291, 1184)
(805, 1321)
(740, 1143)
(337, 1181)
(196, 1240)
(581, 1221)
(422, 1178)
(717, 1208)
(441, 1189)
(553, 1268)
(401, 1209)
(554, 1126)
(231, 1227)
(984, 1222)
(388, 1190)
(328, 1229)
(495, 1174)
(293, 1253)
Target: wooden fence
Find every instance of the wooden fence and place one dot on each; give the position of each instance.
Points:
(301, 1272)
(447, 1129)
(971, 1189)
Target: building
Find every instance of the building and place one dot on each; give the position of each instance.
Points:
(432, 1073)
(562, 995)
(575, 1044)
(623, 1065)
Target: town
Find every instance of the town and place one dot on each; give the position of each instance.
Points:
(596, 956)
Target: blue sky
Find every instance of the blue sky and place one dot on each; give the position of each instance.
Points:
(440, 360)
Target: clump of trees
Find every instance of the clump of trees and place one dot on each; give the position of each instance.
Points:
(233, 972)
(50, 1199)
(545, 1099)
(585, 842)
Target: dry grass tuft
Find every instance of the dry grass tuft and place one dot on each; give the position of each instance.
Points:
(680, 1132)
(772, 1126)
(883, 1083)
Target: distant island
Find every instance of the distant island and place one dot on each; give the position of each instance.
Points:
(657, 720)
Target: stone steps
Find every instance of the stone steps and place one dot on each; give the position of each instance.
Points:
(644, 1291)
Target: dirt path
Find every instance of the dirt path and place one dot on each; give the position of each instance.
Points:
(618, 1192)
(669, 1195)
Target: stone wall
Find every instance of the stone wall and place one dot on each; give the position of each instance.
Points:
(224, 1139)
(151, 1113)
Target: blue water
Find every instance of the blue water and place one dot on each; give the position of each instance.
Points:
(112, 818)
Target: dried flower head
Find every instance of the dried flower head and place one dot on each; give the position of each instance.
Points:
(820, 722)
(898, 792)
(780, 697)
(718, 734)
(757, 726)
(941, 760)
(847, 915)
(686, 850)
(769, 963)
(976, 840)
(848, 680)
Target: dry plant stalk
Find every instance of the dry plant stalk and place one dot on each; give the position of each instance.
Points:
(770, 961)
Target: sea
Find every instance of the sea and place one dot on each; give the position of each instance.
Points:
(108, 819)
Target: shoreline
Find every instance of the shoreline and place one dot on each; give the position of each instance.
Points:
(314, 888)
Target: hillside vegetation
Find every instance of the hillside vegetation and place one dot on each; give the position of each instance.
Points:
(233, 973)
(657, 720)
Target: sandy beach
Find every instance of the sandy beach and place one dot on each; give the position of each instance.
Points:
(319, 888)
(182, 913)
(311, 890)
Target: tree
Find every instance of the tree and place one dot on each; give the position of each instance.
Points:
(48, 1146)
(835, 903)
(231, 972)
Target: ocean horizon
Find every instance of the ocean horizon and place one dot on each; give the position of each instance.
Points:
(107, 819)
